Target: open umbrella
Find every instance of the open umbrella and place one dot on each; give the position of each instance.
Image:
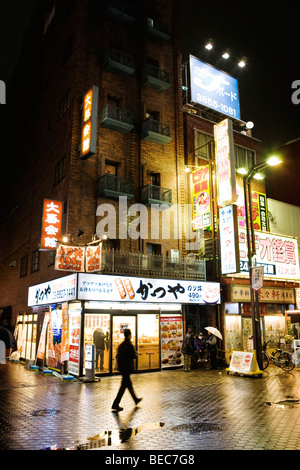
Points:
(214, 331)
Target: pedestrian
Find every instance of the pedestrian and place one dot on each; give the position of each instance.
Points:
(125, 357)
(188, 349)
(200, 346)
(212, 348)
(98, 338)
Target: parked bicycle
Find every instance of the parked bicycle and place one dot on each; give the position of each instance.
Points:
(280, 358)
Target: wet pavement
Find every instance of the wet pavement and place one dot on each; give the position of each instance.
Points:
(198, 410)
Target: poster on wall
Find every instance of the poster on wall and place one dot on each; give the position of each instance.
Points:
(41, 347)
(171, 328)
(74, 340)
(201, 198)
(54, 339)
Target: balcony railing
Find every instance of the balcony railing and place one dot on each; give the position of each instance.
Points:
(120, 11)
(116, 119)
(156, 131)
(157, 29)
(112, 187)
(139, 264)
(118, 62)
(156, 78)
(152, 194)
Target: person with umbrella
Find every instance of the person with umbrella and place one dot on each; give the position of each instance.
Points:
(213, 333)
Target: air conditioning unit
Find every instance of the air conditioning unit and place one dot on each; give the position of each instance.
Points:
(174, 256)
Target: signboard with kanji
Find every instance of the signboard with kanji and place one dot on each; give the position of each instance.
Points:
(51, 224)
(89, 123)
(225, 170)
(201, 195)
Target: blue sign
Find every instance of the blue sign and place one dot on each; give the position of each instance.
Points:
(214, 89)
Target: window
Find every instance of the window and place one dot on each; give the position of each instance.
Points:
(24, 266)
(60, 171)
(64, 105)
(202, 146)
(111, 168)
(35, 261)
(244, 158)
(52, 255)
(154, 179)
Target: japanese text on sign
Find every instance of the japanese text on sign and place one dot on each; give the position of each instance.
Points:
(51, 224)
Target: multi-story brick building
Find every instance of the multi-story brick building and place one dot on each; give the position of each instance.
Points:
(129, 54)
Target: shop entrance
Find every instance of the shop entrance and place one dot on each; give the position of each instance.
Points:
(145, 338)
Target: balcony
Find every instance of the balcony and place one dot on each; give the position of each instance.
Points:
(120, 11)
(152, 194)
(155, 78)
(157, 29)
(156, 131)
(116, 119)
(159, 266)
(112, 187)
(118, 62)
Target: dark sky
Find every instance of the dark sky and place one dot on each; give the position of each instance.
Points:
(260, 30)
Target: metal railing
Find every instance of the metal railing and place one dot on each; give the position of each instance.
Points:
(152, 192)
(118, 114)
(151, 125)
(160, 266)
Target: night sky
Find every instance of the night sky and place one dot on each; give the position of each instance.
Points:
(267, 36)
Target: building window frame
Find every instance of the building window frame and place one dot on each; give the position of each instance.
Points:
(24, 266)
(35, 261)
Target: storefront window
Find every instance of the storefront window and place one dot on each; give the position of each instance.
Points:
(121, 323)
(26, 336)
(233, 331)
(274, 329)
(97, 332)
(148, 341)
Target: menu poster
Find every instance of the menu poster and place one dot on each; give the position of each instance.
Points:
(54, 339)
(171, 330)
(74, 340)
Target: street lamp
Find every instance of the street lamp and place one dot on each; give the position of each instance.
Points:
(252, 173)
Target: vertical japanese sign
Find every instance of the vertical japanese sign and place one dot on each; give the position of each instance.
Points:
(89, 123)
(257, 277)
(51, 224)
(201, 198)
(42, 342)
(65, 333)
(230, 262)
(225, 171)
(259, 210)
(93, 258)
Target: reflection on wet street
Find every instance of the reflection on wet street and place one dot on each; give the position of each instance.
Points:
(203, 409)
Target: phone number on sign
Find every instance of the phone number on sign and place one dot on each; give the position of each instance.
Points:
(214, 104)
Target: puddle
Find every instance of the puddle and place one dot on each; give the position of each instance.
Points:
(197, 428)
(44, 412)
(288, 403)
(117, 437)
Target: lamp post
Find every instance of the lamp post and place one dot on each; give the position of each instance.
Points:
(257, 345)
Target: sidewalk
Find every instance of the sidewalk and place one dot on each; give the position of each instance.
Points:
(203, 409)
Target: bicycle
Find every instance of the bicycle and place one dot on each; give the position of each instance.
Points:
(280, 358)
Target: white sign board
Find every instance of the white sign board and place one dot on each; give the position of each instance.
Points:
(58, 290)
(135, 289)
(242, 362)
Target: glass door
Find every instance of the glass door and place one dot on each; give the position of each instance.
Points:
(148, 341)
(119, 324)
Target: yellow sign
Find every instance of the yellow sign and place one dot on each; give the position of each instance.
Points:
(201, 195)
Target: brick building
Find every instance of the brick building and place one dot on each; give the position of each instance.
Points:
(129, 54)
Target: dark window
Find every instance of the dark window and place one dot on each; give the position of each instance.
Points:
(35, 261)
(60, 171)
(64, 105)
(24, 266)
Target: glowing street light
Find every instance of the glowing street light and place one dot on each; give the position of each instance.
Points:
(252, 173)
(242, 63)
(209, 46)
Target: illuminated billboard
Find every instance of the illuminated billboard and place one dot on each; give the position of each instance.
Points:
(89, 123)
(214, 89)
(225, 171)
